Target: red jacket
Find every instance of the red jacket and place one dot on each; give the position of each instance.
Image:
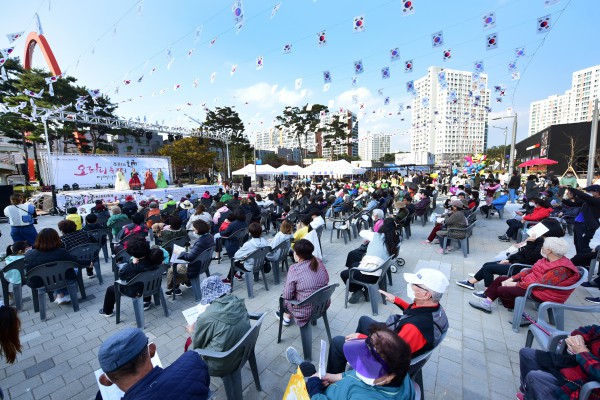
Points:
(561, 272)
(538, 214)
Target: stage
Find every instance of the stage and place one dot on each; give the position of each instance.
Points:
(85, 199)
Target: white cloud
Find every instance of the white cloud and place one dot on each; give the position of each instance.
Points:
(266, 96)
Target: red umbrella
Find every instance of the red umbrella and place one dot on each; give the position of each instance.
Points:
(537, 161)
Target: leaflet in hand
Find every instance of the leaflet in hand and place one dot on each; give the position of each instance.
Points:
(191, 314)
(538, 230)
(177, 250)
(113, 392)
(322, 358)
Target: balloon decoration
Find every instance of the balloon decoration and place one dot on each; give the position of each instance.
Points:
(474, 164)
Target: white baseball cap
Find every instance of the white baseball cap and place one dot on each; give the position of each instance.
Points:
(430, 278)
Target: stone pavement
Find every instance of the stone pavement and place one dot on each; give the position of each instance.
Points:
(478, 359)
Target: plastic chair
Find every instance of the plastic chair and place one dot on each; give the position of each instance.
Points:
(87, 254)
(319, 301)
(594, 264)
(558, 316)
(119, 258)
(521, 233)
(500, 209)
(151, 281)
(550, 342)
(118, 227)
(101, 236)
(238, 355)
(371, 287)
(284, 249)
(18, 265)
(54, 277)
(415, 370)
(258, 256)
(463, 243)
(182, 241)
(203, 263)
(342, 226)
(239, 235)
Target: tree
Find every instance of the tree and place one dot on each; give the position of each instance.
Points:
(225, 122)
(300, 121)
(188, 152)
(336, 133)
(388, 157)
(497, 153)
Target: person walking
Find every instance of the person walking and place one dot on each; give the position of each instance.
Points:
(513, 186)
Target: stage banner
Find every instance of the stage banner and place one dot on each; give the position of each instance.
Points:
(89, 170)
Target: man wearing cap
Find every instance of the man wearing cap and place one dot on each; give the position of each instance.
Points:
(125, 359)
(171, 203)
(130, 207)
(586, 222)
(421, 325)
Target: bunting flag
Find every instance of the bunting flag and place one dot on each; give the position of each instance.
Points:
(515, 76)
(489, 20)
(437, 39)
(512, 66)
(127, 81)
(321, 39)
(140, 7)
(442, 80)
(479, 67)
(140, 79)
(498, 99)
(287, 49)
(31, 93)
(176, 86)
(170, 63)
(259, 63)
(326, 87)
(212, 77)
(410, 86)
(233, 69)
(385, 73)
(380, 92)
(544, 24)
(238, 14)
(359, 24)
(275, 9)
(152, 71)
(330, 104)
(169, 52)
(198, 33)
(407, 8)
(14, 36)
(447, 55)
(394, 54)
(492, 41)
(475, 76)
(408, 66)
(326, 77)
(298, 84)
(195, 84)
(190, 52)
(400, 107)
(354, 81)
(3, 75)
(386, 101)
(520, 52)
(354, 99)
(2, 61)
(7, 52)
(94, 93)
(358, 67)
(550, 3)
(212, 41)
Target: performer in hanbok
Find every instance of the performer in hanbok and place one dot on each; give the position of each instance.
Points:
(160, 180)
(134, 182)
(149, 180)
(121, 183)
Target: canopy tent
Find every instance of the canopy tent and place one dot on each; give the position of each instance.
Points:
(250, 169)
(538, 161)
(340, 167)
(290, 170)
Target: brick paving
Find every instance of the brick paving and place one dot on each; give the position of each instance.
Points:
(478, 359)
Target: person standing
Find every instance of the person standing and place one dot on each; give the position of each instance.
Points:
(513, 186)
(586, 222)
(149, 180)
(21, 218)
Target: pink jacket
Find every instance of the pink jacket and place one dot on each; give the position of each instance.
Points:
(561, 272)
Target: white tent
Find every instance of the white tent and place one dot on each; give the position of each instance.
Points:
(290, 170)
(343, 167)
(250, 169)
(340, 167)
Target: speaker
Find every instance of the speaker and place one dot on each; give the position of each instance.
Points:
(5, 192)
(261, 182)
(246, 183)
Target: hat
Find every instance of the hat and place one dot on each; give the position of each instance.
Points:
(153, 204)
(182, 199)
(143, 203)
(430, 278)
(169, 197)
(592, 188)
(129, 198)
(186, 205)
(365, 360)
(121, 348)
(457, 203)
(212, 288)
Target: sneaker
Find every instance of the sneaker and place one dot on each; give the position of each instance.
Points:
(291, 354)
(105, 314)
(239, 276)
(147, 305)
(504, 238)
(472, 275)
(595, 300)
(435, 241)
(589, 285)
(466, 284)
(520, 396)
(177, 292)
(226, 280)
(187, 284)
(285, 321)
(479, 294)
(356, 296)
(91, 276)
(481, 305)
(65, 299)
(426, 242)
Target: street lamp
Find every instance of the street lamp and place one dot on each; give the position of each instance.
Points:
(511, 159)
(504, 149)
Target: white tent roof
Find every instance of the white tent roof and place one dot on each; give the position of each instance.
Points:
(249, 169)
(340, 167)
(290, 169)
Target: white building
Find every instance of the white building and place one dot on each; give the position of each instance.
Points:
(576, 105)
(450, 122)
(373, 146)
(349, 146)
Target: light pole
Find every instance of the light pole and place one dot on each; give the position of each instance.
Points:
(504, 149)
(511, 157)
(592, 152)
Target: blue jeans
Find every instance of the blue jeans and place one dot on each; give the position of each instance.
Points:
(25, 233)
(538, 384)
(512, 195)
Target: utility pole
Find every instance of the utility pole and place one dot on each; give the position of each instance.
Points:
(592, 152)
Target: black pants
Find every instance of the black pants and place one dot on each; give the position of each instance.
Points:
(336, 360)
(485, 210)
(488, 270)
(582, 237)
(355, 256)
(110, 299)
(513, 227)
(359, 276)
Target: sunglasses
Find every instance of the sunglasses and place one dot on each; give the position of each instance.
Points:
(376, 355)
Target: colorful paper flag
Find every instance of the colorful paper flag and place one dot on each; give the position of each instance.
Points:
(190, 52)
(354, 80)
(176, 86)
(394, 54)
(326, 77)
(512, 66)
(489, 20)
(212, 41)
(326, 87)
(321, 39)
(515, 76)
(354, 99)
(259, 62)
(7, 52)
(198, 33)
(550, 3)
(14, 36)
(492, 41)
(386, 101)
(407, 8)
(275, 9)
(212, 77)
(287, 49)
(442, 80)
(359, 24)
(140, 7)
(380, 92)
(195, 84)
(447, 54)
(233, 69)
(385, 73)
(408, 66)
(520, 52)
(410, 86)
(238, 13)
(298, 84)
(479, 67)
(94, 93)
(358, 67)
(544, 24)
(437, 39)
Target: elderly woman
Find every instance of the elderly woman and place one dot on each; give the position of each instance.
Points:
(553, 269)
(422, 205)
(303, 279)
(540, 210)
(377, 216)
(455, 219)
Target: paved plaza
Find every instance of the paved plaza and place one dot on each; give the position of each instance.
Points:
(478, 359)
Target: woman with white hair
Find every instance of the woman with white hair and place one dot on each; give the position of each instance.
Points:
(553, 269)
(377, 216)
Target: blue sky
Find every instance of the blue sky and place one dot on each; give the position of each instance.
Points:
(140, 44)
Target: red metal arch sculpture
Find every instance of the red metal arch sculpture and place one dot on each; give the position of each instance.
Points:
(34, 39)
